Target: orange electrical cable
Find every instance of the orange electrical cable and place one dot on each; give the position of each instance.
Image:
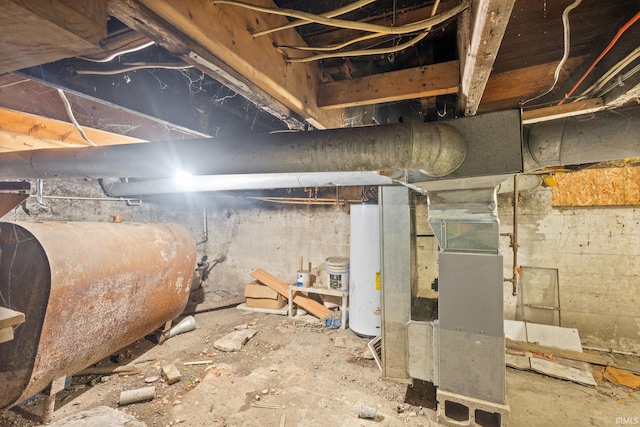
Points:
(624, 28)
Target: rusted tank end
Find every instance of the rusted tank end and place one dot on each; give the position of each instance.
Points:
(87, 290)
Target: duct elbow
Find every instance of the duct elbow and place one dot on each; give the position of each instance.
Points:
(438, 149)
(599, 137)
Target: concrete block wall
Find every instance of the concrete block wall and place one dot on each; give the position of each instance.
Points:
(597, 254)
(596, 250)
(273, 238)
(247, 234)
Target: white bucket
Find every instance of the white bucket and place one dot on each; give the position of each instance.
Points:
(303, 278)
(337, 273)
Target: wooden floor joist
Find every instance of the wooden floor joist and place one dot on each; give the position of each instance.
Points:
(23, 131)
(224, 31)
(412, 83)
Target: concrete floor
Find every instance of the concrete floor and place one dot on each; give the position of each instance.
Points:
(296, 373)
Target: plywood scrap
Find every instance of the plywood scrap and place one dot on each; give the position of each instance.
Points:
(598, 187)
(303, 301)
(558, 370)
(618, 376)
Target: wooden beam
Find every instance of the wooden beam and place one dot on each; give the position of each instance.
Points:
(419, 82)
(41, 132)
(224, 31)
(40, 98)
(507, 89)
(561, 111)
(483, 26)
(146, 22)
(122, 41)
(36, 32)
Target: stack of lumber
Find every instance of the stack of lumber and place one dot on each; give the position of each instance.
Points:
(300, 299)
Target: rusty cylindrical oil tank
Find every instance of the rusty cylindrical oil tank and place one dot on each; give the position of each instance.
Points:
(87, 290)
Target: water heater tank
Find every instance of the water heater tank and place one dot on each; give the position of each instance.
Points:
(364, 284)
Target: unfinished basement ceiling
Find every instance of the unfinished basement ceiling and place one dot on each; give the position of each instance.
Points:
(205, 74)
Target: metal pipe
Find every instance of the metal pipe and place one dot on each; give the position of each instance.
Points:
(436, 148)
(609, 135)
(205, 224)
(117, 188)
(513, 238)
(87, 290)
(514, 243)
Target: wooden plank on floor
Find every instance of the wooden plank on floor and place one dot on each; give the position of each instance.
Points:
(303, 301)
(559, 352)
(618, 376)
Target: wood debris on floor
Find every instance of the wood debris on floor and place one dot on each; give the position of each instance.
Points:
(300, 299)
(304, 374)
(549, 350)
(621, 377)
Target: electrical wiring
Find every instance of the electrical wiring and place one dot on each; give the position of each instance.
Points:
(615, 39)
(336, 46)
(332, 14)
(133, 67)
(363, 52)
(610, 74)
(354, 25)
(632, 72)
(567, 46)
(352, 41)
(67, 107)
(116, 54)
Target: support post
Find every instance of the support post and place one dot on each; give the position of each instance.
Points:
(399, 278)
(50, 399)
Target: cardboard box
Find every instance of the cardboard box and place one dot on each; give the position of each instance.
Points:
(262, 296)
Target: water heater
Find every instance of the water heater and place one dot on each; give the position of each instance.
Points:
(364, 283)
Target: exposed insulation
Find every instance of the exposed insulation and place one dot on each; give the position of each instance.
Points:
(598, 187)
